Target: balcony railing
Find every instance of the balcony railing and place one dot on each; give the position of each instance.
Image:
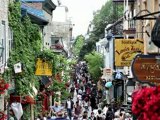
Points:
(129, 26)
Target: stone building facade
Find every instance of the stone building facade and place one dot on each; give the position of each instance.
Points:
(44, 9)
(5, 41)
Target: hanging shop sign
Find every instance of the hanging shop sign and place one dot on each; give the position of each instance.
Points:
(18, 67)
(126, 50)
(146, 68)
(43, 68)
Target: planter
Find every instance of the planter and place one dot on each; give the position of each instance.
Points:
(3, 116)
(22, 99)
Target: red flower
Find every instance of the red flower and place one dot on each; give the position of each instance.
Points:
(7, 86)
(146, 103)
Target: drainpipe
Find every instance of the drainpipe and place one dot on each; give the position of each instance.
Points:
(43, 34)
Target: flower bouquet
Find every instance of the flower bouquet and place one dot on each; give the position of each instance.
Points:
(146, 103)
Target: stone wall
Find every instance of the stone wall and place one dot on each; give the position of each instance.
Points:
(3, 35)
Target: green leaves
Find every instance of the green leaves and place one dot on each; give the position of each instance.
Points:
(26, 43)
(108, 14)
(77, 46)
(95, 62)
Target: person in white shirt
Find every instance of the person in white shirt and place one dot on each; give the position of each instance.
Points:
(69, 106)
(105, 109)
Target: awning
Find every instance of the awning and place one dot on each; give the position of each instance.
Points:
(37, 16)
(47, 4)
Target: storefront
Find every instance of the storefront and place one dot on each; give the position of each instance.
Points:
(118, 84)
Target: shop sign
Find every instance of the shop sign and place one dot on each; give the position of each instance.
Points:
(126, 50)
(43, 68)
(146, 68)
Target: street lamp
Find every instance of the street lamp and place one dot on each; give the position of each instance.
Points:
(1, 50)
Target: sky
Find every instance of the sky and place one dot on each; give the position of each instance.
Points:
(79, 11)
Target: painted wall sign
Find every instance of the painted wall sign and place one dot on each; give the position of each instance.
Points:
(146, 68)
(126, 50)
(43, 68)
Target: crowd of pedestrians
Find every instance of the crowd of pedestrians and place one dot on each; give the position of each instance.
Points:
(85, 102)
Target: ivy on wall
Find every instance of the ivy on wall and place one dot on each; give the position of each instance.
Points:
(26, 49)
(59, 64)
(26, 44)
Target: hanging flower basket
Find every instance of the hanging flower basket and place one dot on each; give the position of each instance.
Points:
(146, 103)
(57, 46)
(22, 99)
(15, 98)
(29, 100)
(3, 116)
(3, 86)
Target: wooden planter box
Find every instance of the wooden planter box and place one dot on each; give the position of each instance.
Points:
(24, 100)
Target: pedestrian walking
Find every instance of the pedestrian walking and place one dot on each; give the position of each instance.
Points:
(109, 114)
(69, 106)
(85, 115)
(100, 115)
(77, 110)
(92, 117)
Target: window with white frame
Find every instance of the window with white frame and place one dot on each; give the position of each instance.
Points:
(3, 42)
(10, 39)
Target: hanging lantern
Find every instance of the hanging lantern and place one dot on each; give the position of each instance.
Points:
(18, 67)
(155, 35)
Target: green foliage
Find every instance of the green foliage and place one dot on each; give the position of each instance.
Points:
(62, 65)
(59, 64)
(87, 48)
(109, 13)
(26, 43)
(79, 42)
(95, 62)
(47, 55)
(26, 49)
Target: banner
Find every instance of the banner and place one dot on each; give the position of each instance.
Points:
(126, 50)
(17, 109)
(43, 68)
